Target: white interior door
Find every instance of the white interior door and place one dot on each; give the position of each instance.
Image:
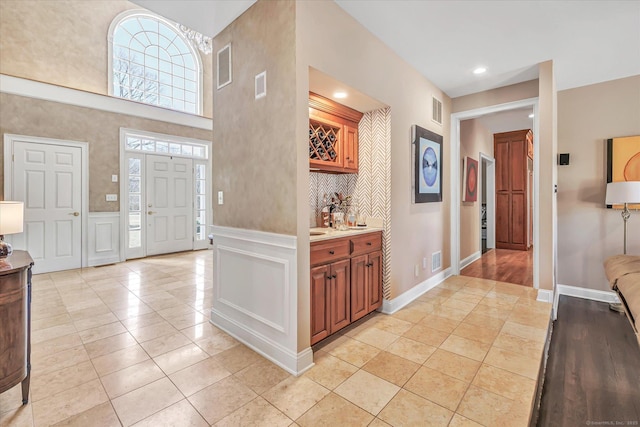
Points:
(169, 198)
(48, 178)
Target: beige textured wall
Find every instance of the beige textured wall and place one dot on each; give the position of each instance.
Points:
(64, 42)
(588, 232)
(349, 53)
(255, 159)
(474, 139)
(497, 96)
(34, 117)
(548, 150)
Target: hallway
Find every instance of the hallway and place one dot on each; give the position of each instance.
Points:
(503, 265)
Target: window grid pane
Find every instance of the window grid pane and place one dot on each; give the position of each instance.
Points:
(149, 144)
(153, 64)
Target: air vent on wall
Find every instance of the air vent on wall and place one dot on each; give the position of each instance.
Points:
(436, 261)
(261, 85)
(436, 115)
(224, 66)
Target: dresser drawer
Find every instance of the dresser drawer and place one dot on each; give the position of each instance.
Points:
(327, 251)
(364, 244)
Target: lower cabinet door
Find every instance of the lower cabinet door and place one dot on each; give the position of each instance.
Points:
(340, 295)
(374, 282)
(359, 294)
(320, 286)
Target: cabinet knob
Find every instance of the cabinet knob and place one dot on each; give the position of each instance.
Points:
(328, 277)
(369, 243)
(331, 252)
(334, 276)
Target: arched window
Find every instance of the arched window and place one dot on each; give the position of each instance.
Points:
(151, 61)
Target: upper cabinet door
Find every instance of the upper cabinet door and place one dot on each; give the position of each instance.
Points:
(333, 136)
(350, 138)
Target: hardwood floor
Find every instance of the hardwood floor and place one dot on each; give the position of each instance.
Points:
(593, 370)
(503, 265)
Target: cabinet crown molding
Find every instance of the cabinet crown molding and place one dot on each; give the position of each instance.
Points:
(326, 105)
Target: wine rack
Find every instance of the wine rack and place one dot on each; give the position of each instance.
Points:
(323, 142)
(333, 136)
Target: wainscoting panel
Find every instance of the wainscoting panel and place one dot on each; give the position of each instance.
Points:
(104, 238)
(255, 294)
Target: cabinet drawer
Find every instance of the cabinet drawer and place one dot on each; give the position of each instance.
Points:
(365, 244)
(329, 250)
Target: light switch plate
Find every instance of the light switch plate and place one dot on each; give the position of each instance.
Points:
(114, 178)
(112, 197)
(220, 198)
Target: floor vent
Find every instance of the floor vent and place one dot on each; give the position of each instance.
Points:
(436, 263)
(437, 110)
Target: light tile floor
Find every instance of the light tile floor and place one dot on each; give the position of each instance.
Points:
(129, 344)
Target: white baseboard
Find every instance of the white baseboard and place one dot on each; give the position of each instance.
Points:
(295, 364)
(470, 259)
(545, 295)
(585, 293)
(391, 306)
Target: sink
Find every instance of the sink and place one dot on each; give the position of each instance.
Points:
(317, 233)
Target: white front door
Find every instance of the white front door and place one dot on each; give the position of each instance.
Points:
(48, 178)
(169, 198)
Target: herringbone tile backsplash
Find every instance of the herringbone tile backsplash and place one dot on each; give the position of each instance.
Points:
(371, 186)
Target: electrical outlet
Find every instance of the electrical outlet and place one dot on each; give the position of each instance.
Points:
(424, 263)
(112, 197)
(220, 198)
(416, 270)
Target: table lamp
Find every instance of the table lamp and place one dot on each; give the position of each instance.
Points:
(10, 223)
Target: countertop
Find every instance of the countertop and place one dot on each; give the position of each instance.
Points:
(330, 233)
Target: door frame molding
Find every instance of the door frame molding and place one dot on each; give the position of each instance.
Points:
(455, 188)
(123, 174)
(9, 140)
(491, 198)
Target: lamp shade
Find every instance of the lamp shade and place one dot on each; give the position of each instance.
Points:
(623, 192)
(11, 214)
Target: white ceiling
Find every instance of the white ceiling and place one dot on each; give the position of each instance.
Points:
(589, 41)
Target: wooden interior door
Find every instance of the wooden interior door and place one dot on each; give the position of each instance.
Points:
(510, 150)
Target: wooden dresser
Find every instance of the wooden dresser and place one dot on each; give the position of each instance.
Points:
(15, 322)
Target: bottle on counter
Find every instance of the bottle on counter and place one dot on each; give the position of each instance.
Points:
(325, 212)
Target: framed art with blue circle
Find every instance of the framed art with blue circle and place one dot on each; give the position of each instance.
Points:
(427, 165)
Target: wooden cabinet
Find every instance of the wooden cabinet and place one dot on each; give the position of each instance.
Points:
(15, 322)
(333, 136)
(366, 284)
(346, 282)
(512, 204)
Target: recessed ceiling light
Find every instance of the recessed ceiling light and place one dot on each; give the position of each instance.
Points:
(480, 70)
(531, 116)
(340, 95)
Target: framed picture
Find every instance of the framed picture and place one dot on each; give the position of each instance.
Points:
(470, 168)
(623, 161)
(427, 165)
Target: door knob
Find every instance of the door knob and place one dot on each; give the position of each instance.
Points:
(75, 213)
(151, 212)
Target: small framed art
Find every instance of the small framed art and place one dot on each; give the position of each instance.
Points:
(427, 165)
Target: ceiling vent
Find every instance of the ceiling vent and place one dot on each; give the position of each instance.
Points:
(436, 114)
(224, 66)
